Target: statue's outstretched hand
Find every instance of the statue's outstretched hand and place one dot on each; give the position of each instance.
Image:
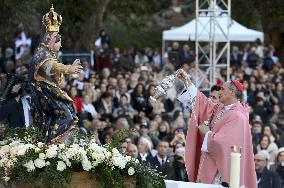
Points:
(76, 67)
(76, 62)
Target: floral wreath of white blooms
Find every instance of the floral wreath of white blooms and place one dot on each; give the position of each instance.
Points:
(89, 155)
(24, 160)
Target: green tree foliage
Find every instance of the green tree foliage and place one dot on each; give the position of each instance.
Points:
(272, 17)
(82, 19)
(14, 17)
(126, 20)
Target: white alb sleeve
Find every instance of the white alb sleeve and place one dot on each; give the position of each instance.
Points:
(204, 146)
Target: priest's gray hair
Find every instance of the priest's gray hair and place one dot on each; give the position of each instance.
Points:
(238, 93)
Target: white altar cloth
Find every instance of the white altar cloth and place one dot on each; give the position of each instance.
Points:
(181, 184)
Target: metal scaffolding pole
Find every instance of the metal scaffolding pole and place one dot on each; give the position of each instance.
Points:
(212, 53)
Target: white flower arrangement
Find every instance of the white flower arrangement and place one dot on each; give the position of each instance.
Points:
(88, 155)
(20, 160)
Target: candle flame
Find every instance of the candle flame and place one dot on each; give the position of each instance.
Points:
(234, 149)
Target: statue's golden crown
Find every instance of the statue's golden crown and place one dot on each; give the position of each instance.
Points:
(52, 20)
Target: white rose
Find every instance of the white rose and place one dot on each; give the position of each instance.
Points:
(42, 156)
(82, 152)
(40, 144)
(21, 151)
(30, 166)
(119, 161)
(131, 171)
(39, 163)
(108, 154)
(99, 157)
(115, 151)
(14, 143)
(128, 158)
(61, 146)
(51, 152)
(61, 166)
(72, 153)
(37, 150)
(47, 163)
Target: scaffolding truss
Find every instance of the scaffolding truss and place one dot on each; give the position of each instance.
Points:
(212, 57)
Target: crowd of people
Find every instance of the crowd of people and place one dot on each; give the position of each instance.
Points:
(114, 94)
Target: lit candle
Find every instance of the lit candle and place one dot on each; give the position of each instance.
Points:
(235, 168)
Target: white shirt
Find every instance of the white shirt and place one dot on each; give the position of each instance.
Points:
(26, 107)
(157, 60)
(90, 108)
(143, 156)
(161, 160)
(79, 85)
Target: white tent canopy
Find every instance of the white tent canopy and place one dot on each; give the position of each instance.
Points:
(237, 32)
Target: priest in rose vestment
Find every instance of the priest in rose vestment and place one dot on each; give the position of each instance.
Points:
(213, 129)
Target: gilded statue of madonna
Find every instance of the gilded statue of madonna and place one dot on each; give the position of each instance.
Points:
(52, 110)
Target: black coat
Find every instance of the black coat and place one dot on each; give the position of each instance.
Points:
(180, 173)
(167, 170)
(141, 103)
(13, 112)
(148, 158)
(268, 179)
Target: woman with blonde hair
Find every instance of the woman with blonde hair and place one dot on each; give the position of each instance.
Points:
(144, 148)
(164, 131)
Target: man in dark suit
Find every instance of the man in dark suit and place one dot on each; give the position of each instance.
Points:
(163, 162)
(265, 178)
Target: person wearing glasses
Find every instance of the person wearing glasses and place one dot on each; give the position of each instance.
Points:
(213, 129)
(265, 177)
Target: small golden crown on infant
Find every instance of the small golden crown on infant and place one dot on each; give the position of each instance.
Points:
(52, 21)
